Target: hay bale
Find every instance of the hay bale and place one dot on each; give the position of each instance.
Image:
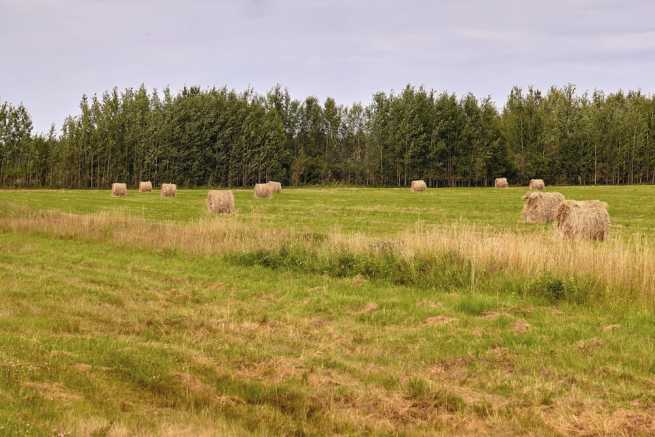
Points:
(168, 190)
(583, 220)
(118, 189)
(263, 191)
(418, 186)
(541, 207)
(220, 201)
(501, 183)
(536, 184)
(145, 187)
(276, 187)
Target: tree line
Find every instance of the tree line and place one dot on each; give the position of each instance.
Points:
(222, 137)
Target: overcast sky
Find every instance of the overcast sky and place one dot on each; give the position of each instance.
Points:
(53, 51)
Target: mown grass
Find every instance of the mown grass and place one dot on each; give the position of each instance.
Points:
(131, 341)
(113, 333)
(369, 210)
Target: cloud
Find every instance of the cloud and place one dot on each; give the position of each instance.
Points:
(341, 48)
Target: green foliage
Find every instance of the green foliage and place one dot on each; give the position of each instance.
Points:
(220, 137)
(555, 289)
(443, 272)
(475, 304)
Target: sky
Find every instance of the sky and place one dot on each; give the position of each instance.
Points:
(54, 51)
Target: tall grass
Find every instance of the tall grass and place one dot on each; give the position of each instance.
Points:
(620, 269)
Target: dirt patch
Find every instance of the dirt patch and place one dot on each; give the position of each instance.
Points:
(62, 354)
(440, 320)
(358, 280)
(81, 367)
(194, 386)
(494, 315)
(501, 358)
(216, 286)
(452, 368)
(589, 344)
(54, 391)
(317, 323)
(520, 327)
(428, 304)
(368, 308)
(198, 390)
(277, 369)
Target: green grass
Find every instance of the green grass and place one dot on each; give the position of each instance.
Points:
(369, 210)
(104, 339)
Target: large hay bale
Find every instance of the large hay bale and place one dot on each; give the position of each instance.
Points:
(501, 183)
(418, 186)
(220, 201)
(168, 190)
(276, 187)
(145, 187)
(541, 207)
(263, 191)
(583, 220)
(118, 189)
(536, 184)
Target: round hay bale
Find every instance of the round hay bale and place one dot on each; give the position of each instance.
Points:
(541, 207)
(275, 186)
(145, 187)
(263, 191)
(536, 184)
(501, 183)
(583, 220)
(418, 186)
(168, 190)
(118, 189)
(220, 201)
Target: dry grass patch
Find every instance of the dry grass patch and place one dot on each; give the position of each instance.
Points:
(368, 308)
(440, 320)
(53, 391)
(579, 416)
(82, 367)
(616, 264)
(520, 327)
(612, 327)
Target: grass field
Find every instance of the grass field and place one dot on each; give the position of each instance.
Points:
(323, 311)
(372, 211)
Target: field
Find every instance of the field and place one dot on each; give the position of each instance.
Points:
(373, 211)
(323, 311)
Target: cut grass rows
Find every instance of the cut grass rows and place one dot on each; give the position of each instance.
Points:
(144, 316)
(124, 340)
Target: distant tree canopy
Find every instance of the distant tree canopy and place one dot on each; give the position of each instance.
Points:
(221, 137)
